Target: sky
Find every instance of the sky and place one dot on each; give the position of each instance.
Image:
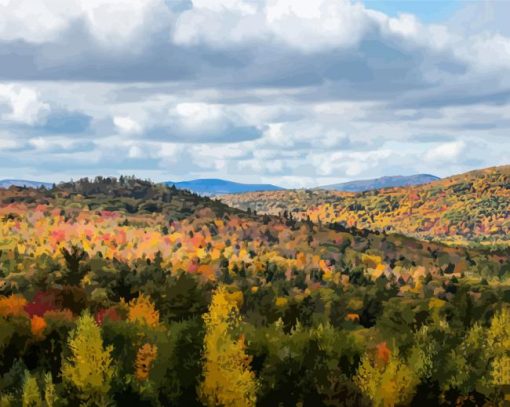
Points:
(296, 93)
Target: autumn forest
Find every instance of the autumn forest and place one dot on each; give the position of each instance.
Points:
(126, 292)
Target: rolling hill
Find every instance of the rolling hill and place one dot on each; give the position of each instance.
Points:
(126, 194)
(382, 182)
(470, 207)
(148, 277)
(219, 186)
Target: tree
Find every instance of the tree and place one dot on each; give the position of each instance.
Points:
(89, 370)
(12, 306)
(31, 396)
(386, 379)
(73, 257)
(50, 392)
(499, 343)
(228, 380)
(145, 357)
(142, 311)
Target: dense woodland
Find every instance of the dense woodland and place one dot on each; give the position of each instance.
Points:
(471, 208)
(123, 292)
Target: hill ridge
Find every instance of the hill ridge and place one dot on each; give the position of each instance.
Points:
(472, 207)
(386, 181)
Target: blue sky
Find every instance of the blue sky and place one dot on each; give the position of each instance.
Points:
(291, 92)
(429, 11)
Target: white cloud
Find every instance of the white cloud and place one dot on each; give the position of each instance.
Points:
(202, 122)
(488, 52)
(136, 152)
(8, 142)
(168, 150)
(58, 144)
(447, 152)
(222, 151)
(33, 21)
(262, 166)
(247, 89)
(309, 26)
(227, 22)
(22, 104)
(127, 125)
(305, 25)
(121, 22)
(350, 164)
(240, 6)
(313, 25)
(482, 16)
(111, 22)
(198, 115)
(316, 131)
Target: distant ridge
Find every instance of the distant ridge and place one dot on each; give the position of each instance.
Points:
(6, 183)
(467, 208)
(213, 186)
(382, 182)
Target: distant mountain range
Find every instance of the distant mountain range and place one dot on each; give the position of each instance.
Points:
(382, 182)
(214, 186)
(220, 186)
(6, 183)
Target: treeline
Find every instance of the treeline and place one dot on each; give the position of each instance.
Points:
(126, 193)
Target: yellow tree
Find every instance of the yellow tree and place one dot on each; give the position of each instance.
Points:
(499, 342)
(50, 392)
(145, 357)
(142, 311)
(228, 380)
(31, 395)
(12, 306)
(89, 370)
(386, 379)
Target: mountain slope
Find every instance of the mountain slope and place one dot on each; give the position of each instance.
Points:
(470, 207)
(220, 186)
(382, 182)
(6, 183)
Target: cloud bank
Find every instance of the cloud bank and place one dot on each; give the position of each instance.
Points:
(291, 92)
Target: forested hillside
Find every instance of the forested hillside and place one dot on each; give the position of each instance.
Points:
(467, 208)
(122, 292)
(126, 194)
